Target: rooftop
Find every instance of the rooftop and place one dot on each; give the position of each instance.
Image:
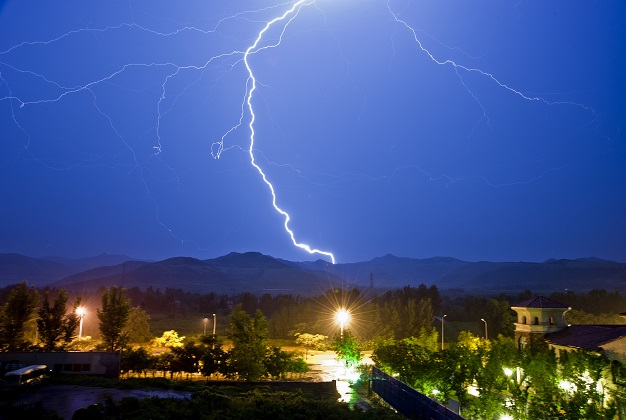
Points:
(540, 302)
(589, 337)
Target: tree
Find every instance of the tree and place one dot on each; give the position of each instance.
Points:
(56, 328)
(214, 359)
(169, 339)
(413, 359)
(277, 362)
(138, 326)
(137, 360)
(113, 317)
(17, 311)
(249, 337)
(187, 357)
(347, 349)
(309, 341)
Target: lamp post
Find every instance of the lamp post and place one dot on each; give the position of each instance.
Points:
(442, 331)
(214, 319)
(483, 320)
(206, 320)
(80, 311)
(342, 317)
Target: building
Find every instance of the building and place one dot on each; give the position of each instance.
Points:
(541, 318)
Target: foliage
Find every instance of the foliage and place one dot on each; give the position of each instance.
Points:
(137, 360)
(277, 362)
(581, 317)
(113, 316)
(138, 325)
(84, 343)
(532, 383)
(56, 328)
(412, 359)
(211, 403)
(187, 358)
(169, 339)
(347, 349)
(214, 360)
(249, 336)
(309, 341)
(405, 312)
(14, 315)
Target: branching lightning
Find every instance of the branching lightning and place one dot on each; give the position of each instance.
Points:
(247, 110)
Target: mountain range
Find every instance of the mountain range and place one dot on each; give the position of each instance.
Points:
(258, 273)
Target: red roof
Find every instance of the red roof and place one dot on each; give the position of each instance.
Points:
(589, 337)
(540, 302)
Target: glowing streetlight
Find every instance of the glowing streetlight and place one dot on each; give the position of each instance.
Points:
(483, 320)
(206, 320)
(80, 311)
(442, 331)
(214, 320)
(508, 372)
(342, 317)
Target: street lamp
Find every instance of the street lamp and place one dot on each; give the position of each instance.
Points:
(206, 320)
(442, 331)
(342, 317)
(483, 320)
(214, 324)
(80, 311)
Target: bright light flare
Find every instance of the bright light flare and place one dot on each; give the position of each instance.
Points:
(81, 311)
(508, 372)
(342, 316)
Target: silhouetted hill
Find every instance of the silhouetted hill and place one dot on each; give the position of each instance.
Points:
(87, 263)
(390, 271)
(84, 278)
(15, 268)
(232, 273)
(258, 273)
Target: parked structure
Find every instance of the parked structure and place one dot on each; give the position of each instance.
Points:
(100, 363)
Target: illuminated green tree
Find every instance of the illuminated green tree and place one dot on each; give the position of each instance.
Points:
(347, 349)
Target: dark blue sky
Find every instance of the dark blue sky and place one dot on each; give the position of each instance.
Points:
(482, 130)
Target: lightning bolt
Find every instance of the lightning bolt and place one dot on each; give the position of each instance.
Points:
(289, 15)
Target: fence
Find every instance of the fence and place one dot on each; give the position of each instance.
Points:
(407, 401)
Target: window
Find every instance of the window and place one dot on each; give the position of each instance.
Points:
(536, 321)
(524, 319)
(551, 320)
(521, 342)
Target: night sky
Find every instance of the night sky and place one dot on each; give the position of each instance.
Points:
(481, 130)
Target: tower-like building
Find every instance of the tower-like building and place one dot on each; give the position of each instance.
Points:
(537, 317)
